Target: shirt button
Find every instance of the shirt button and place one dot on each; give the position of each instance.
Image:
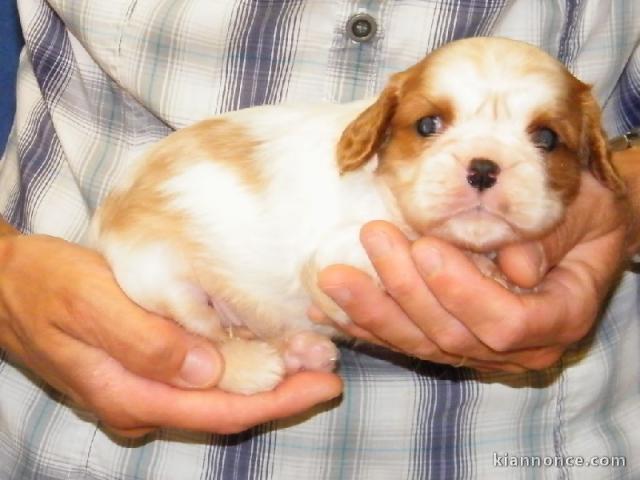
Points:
(361, 27)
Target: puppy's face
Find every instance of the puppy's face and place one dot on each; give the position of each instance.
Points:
(482, 143)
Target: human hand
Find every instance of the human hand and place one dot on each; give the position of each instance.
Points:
(438, 306)
(63, 315)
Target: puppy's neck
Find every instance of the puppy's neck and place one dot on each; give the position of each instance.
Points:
(369, 174)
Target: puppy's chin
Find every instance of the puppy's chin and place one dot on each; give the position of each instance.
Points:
(477, 230)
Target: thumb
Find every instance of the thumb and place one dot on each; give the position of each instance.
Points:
(591, 215)
(159, 349)
(525, 264)
(148, 345)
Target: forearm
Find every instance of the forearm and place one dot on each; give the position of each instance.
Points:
(627, 163)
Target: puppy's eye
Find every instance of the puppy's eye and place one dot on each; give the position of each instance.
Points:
(545, 138)
(427, 126)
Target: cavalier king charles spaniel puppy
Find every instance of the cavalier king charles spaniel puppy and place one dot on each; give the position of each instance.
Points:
(224, 226)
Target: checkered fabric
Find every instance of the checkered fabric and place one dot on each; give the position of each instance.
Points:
(100, 80)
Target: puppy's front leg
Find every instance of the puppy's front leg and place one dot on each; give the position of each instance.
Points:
(341, 247)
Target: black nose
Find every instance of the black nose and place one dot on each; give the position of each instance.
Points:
(483, 173)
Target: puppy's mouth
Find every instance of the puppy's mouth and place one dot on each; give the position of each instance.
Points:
(478, 228)
(476, 212)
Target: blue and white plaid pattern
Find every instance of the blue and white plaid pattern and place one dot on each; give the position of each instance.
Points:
(101, 80)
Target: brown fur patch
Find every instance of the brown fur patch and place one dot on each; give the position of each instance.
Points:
(596, 151)
(362, 137)
(583, 144)
(563, 171)
(143, 209)
(563, 163)
(142, 214)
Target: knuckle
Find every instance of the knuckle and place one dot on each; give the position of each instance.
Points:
(370, 319)
(507, 338)
(578, 329)
(453, 342)
(116, 420)
(455, 290)
(77, 307)
(160, 351)
(110, 407)
(400, 287)
(419, 347)
(428, 351)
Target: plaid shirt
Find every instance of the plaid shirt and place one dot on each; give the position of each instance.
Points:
(100, 80)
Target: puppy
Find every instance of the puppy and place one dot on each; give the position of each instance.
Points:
(226, 224)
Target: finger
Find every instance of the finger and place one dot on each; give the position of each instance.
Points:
(127, 402)
(527, 263)
(595, 212)
(398, 272)
(537, 358)
(521, 362)
(222, 412)
(505, 321)
(390, 254)
(374, 311)
(524, 264)
(568, 300)
(486, 309)
(316, 315)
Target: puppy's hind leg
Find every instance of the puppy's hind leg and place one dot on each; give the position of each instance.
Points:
(250, 366)
(160, 280)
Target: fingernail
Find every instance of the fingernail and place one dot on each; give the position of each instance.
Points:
(377, 244)
(200, 368)
(429, 260)
(340, 295)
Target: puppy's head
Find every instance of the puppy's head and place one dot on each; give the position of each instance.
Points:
(483, 142)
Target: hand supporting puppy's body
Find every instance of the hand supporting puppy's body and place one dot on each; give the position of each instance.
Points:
(244, 210)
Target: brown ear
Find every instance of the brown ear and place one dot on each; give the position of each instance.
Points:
(363, 136)
(598, 154)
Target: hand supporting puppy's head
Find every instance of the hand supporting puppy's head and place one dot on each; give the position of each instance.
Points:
(483, 142)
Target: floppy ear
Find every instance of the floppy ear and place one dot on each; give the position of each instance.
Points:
(363, 136)
(596, 150)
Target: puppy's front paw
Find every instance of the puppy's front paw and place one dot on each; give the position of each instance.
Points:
(250, 366)
(309, 351)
